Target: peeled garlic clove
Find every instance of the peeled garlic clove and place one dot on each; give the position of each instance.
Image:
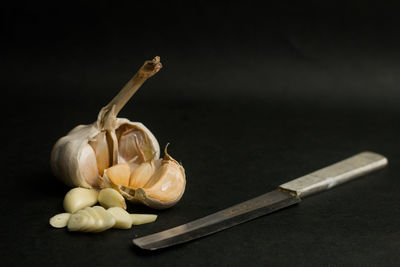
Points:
(168, 182)
(138, 219)
(109, 197)
(80, 158)
(77, 222)
(91, 221)
(98, 220)
(106, 217)
(60, 220)
(79, 198)
(122, 218)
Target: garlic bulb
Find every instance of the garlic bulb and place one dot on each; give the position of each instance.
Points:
(81, 157)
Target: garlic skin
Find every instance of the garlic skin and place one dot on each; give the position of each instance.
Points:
(164, 185)
(79, 158)
(73, 159)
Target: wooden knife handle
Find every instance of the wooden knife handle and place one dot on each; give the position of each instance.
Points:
(335, 174)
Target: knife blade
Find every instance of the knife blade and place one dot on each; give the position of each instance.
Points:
(285, 195)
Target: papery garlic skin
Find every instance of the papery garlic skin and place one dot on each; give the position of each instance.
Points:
(73, 160)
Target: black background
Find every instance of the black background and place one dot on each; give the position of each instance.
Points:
(251, 96)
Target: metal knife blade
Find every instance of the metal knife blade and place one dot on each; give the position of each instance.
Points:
(287, 194)
(218, 221)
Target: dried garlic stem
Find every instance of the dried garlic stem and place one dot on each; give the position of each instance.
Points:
(112, 109)
(148, 69)
(108, 114)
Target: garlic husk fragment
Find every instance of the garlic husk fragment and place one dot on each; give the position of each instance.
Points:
(80, 158)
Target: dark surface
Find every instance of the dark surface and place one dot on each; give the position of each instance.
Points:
(249, 97)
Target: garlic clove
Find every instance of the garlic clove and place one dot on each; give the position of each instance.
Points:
(122, 218)
(98, 220)
(109, 197)
(166, 186)
(60, 220)
(76, 222)
(138, 219)
(79, 198)
(141, 175)
(91, 221)
(163, 187)
(119, 174)
(106, 217)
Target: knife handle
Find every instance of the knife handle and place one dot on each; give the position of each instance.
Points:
(335, 174)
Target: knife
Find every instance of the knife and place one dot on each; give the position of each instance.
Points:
(285, 195)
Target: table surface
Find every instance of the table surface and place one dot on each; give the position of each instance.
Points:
(249, 97)
(231, 152)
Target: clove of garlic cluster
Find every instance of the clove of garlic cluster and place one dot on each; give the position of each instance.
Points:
(156, 183)
(86, 155)
(82, 216)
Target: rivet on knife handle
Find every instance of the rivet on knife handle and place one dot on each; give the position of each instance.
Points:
(335, 174)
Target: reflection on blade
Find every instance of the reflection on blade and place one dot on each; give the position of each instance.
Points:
(218, 221)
